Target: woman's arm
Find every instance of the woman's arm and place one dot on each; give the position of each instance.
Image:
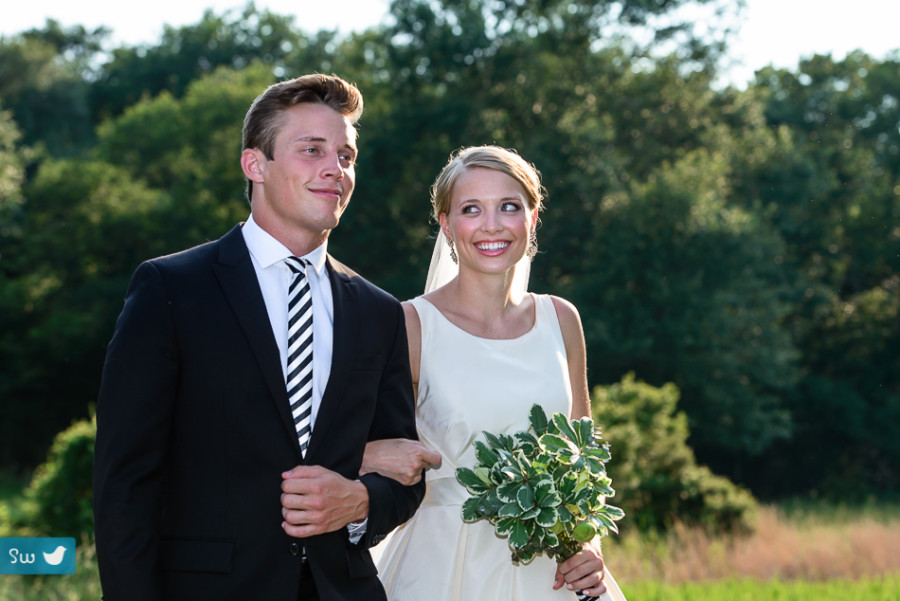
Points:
(573, 337)
(585, 570)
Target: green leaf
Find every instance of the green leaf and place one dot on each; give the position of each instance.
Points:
(468, 478)
(485, 455)
(564, 426)
(469, 509)
(504, 526)
(538, 419)
(584, 507)
(584, 532)
(518, 537)
(491, 503)
(544, 493)
(510, 510)
(525, 497)
(607, 525)
(598, 453)
(566, 486)
(554, 443)
(547, 516)
(492, 440)
(530, 514)
(524, 556)
(550, 539)
(513, 471)
(613, 512)
(585, 431)
(527, 442)
(594, 465)
(507, 492)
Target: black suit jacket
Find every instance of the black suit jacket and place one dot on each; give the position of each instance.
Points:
(194, 431)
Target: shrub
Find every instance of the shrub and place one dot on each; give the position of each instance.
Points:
(658, 481)
(58, 501)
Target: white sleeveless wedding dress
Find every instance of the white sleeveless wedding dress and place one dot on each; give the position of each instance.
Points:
(469, 384)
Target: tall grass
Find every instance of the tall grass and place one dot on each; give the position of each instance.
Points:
(815, 545)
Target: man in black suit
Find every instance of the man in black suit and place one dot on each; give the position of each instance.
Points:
(196, 428)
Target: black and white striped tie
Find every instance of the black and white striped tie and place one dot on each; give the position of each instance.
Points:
(299, 363)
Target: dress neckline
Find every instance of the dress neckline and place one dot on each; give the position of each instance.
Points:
(533, 327)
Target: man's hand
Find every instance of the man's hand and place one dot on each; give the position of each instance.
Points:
(316, 500)
(400, 459)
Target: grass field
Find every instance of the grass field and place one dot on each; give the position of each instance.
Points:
(870, 589)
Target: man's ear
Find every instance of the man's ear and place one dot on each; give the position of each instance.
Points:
(253, 162)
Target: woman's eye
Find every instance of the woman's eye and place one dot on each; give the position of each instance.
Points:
(469, 209)
(510, 207)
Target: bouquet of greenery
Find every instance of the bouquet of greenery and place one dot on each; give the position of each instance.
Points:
(544, 489)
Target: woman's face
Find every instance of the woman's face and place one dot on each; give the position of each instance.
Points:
(489, 220)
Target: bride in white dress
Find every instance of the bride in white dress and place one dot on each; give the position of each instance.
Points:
(482, 351)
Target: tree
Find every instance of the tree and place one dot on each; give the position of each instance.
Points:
(232, 39)
(831, 189)
(44, 77)
(84, 227)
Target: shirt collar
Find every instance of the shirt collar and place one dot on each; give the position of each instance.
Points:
(267, 250)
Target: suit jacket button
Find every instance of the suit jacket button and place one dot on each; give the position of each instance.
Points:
(294, 549)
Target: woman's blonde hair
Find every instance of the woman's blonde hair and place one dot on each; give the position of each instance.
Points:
(496, 158)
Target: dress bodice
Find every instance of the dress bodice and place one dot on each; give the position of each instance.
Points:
(468, 384)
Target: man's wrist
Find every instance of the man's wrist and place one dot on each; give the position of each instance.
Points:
(362, 513)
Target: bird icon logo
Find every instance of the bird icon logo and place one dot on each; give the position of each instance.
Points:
(55, 558)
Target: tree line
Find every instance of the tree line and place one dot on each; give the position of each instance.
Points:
(742, 246)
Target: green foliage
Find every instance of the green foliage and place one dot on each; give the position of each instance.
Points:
(58, 501)
(658, 478)
(44, 81)
(12, 174)
(544, 489)
(234, 39)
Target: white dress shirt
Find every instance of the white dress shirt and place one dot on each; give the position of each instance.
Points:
(274, 277)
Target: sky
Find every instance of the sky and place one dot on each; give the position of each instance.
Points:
(772, 32)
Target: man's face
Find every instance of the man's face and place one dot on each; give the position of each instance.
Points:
(307, 184)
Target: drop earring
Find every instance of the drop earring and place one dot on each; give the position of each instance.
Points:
(532, 249)
(452, 250)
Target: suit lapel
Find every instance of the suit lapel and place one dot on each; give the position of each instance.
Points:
(239, 284)
(346, 332)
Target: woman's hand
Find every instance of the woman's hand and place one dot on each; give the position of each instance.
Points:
(400, 459)
(583, 571)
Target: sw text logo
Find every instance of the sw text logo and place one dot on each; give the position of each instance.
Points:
(37, 555)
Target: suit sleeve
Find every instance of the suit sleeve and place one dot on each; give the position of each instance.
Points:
(391, 503)
(134, 416)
